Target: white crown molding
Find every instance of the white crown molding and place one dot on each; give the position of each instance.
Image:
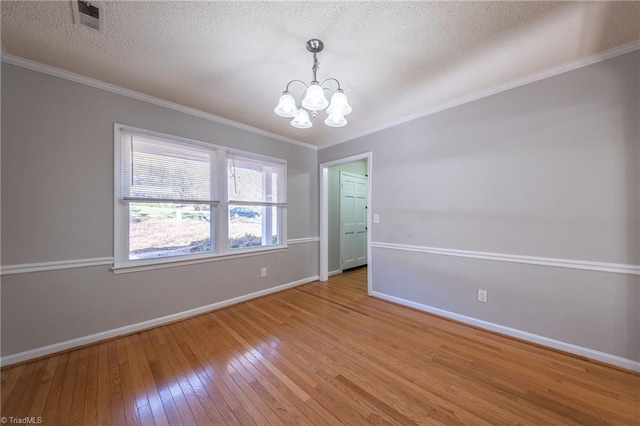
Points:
(618, 268)
(87, 81)
(551, 72)
(54, 266)
(303, 240)
(628, 364)
(145, 325)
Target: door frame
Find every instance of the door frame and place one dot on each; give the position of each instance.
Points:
(324, 214)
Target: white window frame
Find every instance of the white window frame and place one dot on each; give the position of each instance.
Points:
(282, 194)
(220, 222)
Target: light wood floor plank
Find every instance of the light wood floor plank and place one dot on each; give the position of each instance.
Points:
(55, 390)
(103, 399)
(116, 404)
(200, 402)
(66, 397)
(319, 354)
(278, 378)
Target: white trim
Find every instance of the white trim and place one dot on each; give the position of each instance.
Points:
(83, 263)
(303, 240)
(87, 81)
(109, 334)
(336, 272)
(323, 177)
(324, 213)
(166, 263)
(120, 210)
(53, 266)
(119, 128)
(551, 72)
(519, 334)
(349, 159)
(570, 66)
(586, 265)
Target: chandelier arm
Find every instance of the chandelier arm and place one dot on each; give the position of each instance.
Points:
(293, 81)
(337, 82)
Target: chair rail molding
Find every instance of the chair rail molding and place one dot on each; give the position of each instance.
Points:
(303, 240)
(587, 265)
(24, 268)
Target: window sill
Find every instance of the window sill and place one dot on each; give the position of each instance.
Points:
(148, 266)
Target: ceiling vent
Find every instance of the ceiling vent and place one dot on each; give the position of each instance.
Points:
(88, 14)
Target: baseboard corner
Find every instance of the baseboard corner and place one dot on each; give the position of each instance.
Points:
(592, 354)
(36, 353)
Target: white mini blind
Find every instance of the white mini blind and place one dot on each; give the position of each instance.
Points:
(163, 170)
(255, 181)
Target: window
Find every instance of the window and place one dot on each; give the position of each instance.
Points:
(178, 199)
(255, 199)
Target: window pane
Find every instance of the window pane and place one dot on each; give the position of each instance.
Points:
(161, 230)
(253, 180)
(157, 168)
(253, 226)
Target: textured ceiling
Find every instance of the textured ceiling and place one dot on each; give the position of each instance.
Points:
(393, 59)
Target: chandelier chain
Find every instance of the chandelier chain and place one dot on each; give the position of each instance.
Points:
(316, 66)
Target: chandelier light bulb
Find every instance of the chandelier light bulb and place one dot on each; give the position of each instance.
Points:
(302, 120)
(314, 99)
(339, 104)
(286, 106)
(335, 120)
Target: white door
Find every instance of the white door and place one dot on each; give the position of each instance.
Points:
(353, 220)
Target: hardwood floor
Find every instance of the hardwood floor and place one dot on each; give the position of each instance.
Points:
(324, 354)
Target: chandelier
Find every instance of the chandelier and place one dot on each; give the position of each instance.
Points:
(313, 98)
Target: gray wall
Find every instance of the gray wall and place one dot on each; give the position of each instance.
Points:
(57, 204)
(333, 207)
(550, 169)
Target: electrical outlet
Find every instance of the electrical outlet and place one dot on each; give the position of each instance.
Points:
(482, 295)
(263, 272)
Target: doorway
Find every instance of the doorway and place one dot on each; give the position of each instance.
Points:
(331, 237)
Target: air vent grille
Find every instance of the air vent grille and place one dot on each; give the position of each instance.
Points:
(88, 14)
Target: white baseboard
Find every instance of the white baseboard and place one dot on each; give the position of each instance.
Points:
(336, 272)
(541, 340)
(109, 334)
